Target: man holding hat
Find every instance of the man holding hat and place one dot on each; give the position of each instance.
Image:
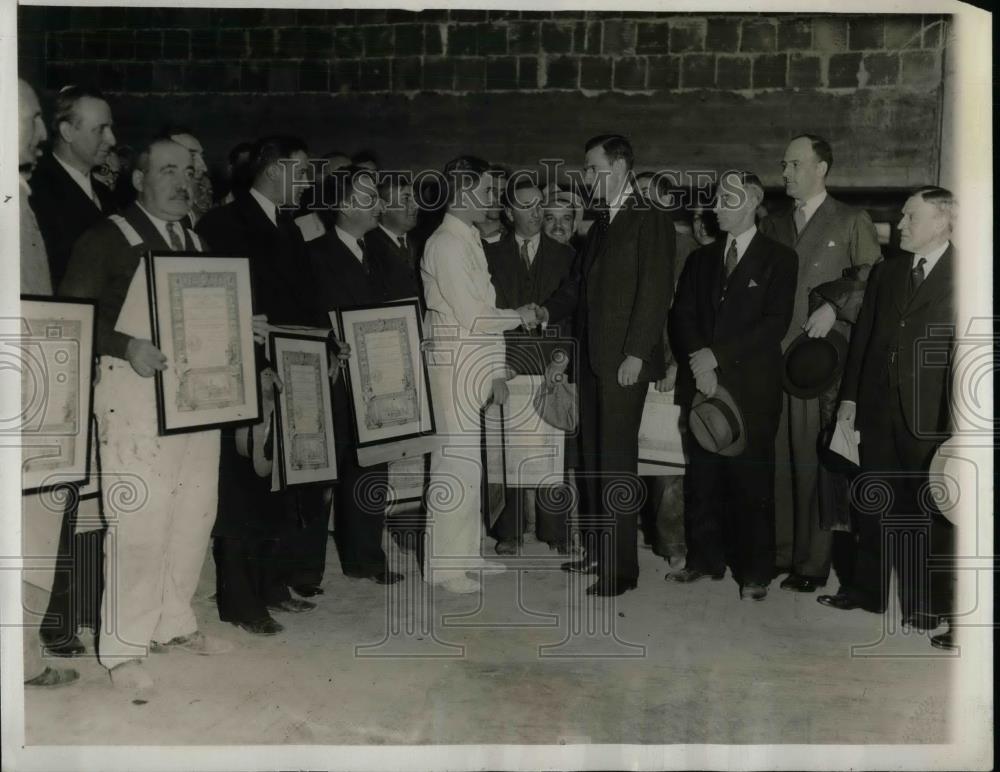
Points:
(734, 303)
(829, 237)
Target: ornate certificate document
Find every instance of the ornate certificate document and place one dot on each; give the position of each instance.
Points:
(54, 356)
(308, 451)
(660, 450)
(535, 449)
(202, 312)
(387, 375)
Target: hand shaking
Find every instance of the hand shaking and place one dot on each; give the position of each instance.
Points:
(532, 315)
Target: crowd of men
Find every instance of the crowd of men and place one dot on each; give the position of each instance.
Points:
(708, 310)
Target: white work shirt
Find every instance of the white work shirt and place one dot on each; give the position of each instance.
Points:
(461, 299)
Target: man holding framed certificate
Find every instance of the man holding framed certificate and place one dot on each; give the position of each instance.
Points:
(467, 368)
(160, 492)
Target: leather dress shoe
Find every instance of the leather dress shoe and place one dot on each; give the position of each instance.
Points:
(944, 641)
(507, 547)
(613, 587)
(751, 591)
(292, 605)
(382, 577)
(61, 646)
(688, 575)
(921, 622)
(841, 601)
(583, 566)
(797, 583)
(307, 590)
(265, 626)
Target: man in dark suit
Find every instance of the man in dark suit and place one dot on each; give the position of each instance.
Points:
(266, 542)
(902, 407)
(527, 266)
(388, 246)
(734, 303)
(64, 194)
(829, 237)
(67, 200)
(624, 281)
(348, 275)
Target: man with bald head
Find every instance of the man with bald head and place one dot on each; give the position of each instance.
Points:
(65, 196)
(155, 547)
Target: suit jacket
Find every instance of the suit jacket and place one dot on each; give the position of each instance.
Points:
(283, 284)
(516, 286)
(901, 351)
(742, 322)
(36, 276)
(626, 287)
(836, 238)
(399, 268)
(64, 211)
(102, 266)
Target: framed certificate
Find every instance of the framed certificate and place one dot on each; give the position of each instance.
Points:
(54, 354)
(407, 478)
(201, 307)
(494, 462)
(387, 378)
(307, 448)
(661, 453)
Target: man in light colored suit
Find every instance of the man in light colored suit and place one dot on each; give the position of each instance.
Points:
(829, 237)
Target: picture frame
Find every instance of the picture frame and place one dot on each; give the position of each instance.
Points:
(306, 446)
(201, 310)
(387, 380)
(492, 423)
(54, 351)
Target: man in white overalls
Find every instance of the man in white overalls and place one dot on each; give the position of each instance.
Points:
(466, 366)
(159, 492)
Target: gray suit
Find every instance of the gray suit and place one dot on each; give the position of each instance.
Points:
(835, 238)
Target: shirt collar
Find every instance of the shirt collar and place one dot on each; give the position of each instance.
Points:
(267, 205)
(533, 241)
(161, 225)
(810, 205)
(931, 258)
(350, 242)
(619, 201)
(742, 241)
(24, 184)
(83, 180)
(394, 236)
(456, 226)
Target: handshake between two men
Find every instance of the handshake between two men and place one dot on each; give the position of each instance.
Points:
(533, 316)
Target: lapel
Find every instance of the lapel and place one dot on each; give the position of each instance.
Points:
(144, 227)
(937, 283)
(715, 269)
(616, 228)
(816, 228)
(255, 218)
(745, 268)
(72, 189)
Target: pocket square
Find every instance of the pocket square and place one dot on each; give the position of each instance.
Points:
(752, 284)
(832, 244)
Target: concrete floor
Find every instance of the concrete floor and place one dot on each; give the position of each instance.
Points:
(679, 664)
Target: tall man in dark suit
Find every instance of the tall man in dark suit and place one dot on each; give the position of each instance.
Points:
(387, 244)
(68, 200)
(348, 275)
(257, 531)
(734, 303)
(625, 285)
(900, 403)
(527, 266)
(153, 552)
(829, 237)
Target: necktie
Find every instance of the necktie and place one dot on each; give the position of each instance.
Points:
(364, 257)
(731, 258)
(525, 257)
(97, 200)
(174, 237)
(917, 275)
(800, 218)
(402, 242)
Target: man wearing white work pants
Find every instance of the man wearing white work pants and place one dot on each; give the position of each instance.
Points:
(466, 366)
(159, 492)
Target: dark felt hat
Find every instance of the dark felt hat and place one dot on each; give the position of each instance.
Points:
(812, 365)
